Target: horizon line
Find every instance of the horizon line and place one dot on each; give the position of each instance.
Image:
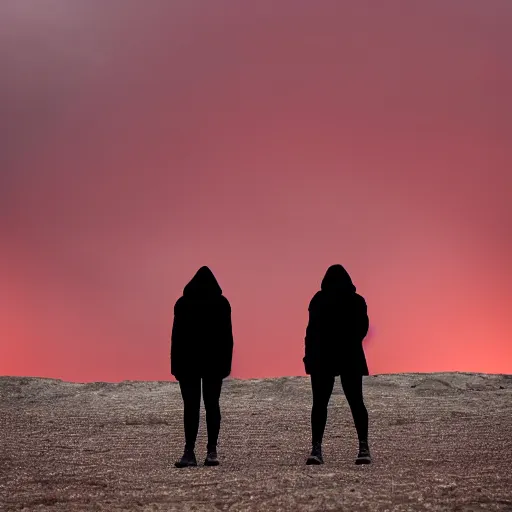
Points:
(174, 381)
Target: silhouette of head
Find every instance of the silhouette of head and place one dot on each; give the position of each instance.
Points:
(337, 280)
(203, 283)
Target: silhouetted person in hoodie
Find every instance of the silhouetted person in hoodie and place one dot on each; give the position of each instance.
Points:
(338, 323)
(201, 352)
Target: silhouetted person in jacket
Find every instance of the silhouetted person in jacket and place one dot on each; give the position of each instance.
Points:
(338, 323)
(201, 352)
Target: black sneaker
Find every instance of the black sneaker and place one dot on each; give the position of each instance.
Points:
(363, 457)
(188, 459)
(316, 455)
(211, 457)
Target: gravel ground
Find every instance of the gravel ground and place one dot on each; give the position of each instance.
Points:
(439, 442)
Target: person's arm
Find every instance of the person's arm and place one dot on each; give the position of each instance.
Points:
(311, 330)
(226, 338)
(176, 339)
(362, 320)
(312, 334)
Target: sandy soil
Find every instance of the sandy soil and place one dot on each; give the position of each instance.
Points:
(439, 442)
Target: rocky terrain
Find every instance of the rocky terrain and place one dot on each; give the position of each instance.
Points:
(439, 442)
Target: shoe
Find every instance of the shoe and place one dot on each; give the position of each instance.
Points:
(363, 457)
(211, 457)
(188, 459)
(316, 455)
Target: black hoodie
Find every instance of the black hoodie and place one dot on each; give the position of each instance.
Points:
(338, 323)
(202, 337)
(202, 285)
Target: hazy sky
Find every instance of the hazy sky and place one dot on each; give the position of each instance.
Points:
(267, 140)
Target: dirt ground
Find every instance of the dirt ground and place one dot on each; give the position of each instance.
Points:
(439, 442)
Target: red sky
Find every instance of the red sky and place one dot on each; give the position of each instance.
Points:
(267, 140)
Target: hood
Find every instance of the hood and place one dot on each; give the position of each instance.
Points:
(337, 280)
(203, 283)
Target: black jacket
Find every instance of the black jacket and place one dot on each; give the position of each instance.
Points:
(338, 323)
(202, 337)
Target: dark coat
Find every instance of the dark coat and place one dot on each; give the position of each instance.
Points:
(202, 337)
(338, 323)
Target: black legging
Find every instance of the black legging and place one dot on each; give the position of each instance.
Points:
(322, 387)
(191, 393)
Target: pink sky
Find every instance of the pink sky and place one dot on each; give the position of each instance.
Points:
(267, 140)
